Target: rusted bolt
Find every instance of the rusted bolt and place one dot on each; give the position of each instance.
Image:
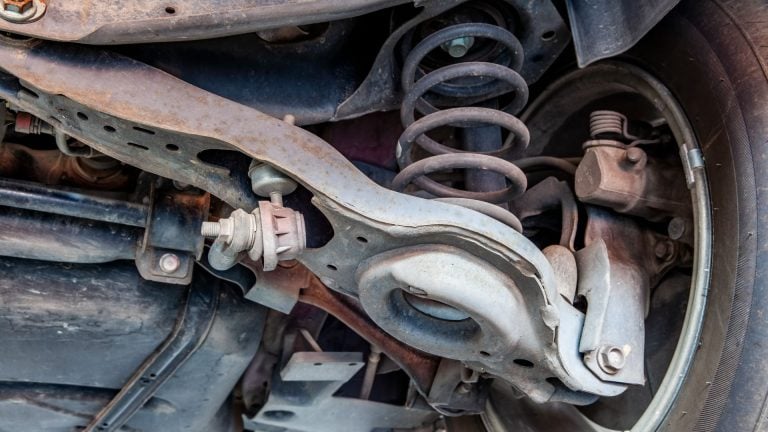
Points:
(663, 250)
(169, 263)
(22, 11)
(611, 359)
(634, 155)
(18, 6)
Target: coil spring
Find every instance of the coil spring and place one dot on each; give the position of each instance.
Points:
(468, 82)
(607, 123)
(606, 128)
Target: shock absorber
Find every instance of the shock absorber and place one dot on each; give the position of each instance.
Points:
(447, 96)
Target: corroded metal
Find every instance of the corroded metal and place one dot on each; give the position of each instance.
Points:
(114, 104)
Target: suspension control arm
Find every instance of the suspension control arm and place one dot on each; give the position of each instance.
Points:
(149, 119)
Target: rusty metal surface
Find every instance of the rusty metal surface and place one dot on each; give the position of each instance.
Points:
(53, 168)
(160, 124)
(420, 367)
(630, 182)
(303, 399)
(171, 231)
(620, 263)
(118, 95)
(105, 22)
(291, 282)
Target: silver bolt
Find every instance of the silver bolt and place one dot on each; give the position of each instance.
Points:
(458, 47)
(276, 198)
(611, 359)
(210, 229)
(169, 263)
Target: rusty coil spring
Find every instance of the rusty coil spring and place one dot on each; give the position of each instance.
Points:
(606, 122)
(468, 82)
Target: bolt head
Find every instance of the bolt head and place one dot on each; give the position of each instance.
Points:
(611, 359)
(676, 228)
(635, 155)
(169, 263)
(459, 47)
(664, 250)
(18, 6)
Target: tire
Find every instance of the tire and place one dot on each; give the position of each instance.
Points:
(712, 56)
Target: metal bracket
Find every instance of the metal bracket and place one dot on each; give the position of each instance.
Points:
(302, 399)
(693, 160)
(615, 279)
(171, 241)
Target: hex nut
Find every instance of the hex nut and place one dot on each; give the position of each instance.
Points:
(18, 6)
(611, 359)
(459, 47)
(22, 11)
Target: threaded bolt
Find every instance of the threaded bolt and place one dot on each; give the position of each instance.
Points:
(276, 198)
(210, 229)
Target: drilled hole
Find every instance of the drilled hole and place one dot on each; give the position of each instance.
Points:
(141, 129)
(332, 267)
(548, 35)
(318, 364)
(485, 353)
(362, 240)
(172, 147)
(170, 10)
(82, 116)
(523, 363)
(139, 146)
(353, 364)
(109, 129)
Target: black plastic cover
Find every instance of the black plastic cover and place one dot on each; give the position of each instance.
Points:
(73, 334)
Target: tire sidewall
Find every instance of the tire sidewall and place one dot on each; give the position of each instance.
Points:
(702, 55)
